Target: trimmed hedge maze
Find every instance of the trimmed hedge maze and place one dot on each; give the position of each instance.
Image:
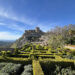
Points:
(58, 67)
(37, 60)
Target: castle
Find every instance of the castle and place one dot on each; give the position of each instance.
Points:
(30, 36)
(37, 29)
(33, 35)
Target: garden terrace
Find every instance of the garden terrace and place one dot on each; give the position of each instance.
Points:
(34, 61)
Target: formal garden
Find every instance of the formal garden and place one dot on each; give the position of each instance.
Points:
(37, 60)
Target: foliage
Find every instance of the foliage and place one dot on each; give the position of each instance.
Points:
(64, 71)
(49, 51)
(10, 68)
(58, 68)
(8, 53)
(73, 52)
(12, 59)
(54, 59)
(2, 65)
(16, 51)
(46, 47)
(61, 36)
(27, 70)
(3, 54)
(56, 41)
(4, 73)
(39, 47)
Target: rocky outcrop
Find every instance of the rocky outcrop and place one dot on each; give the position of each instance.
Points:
(30, 36)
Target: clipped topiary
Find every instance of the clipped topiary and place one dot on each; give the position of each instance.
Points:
(3, 54)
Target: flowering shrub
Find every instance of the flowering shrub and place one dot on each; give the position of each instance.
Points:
(10, 68)
(2, 65)
(27, 70)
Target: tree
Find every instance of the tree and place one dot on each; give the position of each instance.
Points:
(61, 36)
(39, 47)
(16, 51)
(56, 41)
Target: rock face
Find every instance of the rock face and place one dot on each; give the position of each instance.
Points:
(30, 36)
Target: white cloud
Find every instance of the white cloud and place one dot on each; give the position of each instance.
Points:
(13, 16)
(13, 26)
(8, 36)
(9, 13)
(2, 24)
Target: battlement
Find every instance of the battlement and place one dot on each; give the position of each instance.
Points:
(37, 29)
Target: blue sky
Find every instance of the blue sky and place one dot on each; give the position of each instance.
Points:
(19, 15)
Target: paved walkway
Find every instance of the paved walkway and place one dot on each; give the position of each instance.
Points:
(70, 47)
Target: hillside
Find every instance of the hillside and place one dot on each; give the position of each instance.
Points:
(31, 36)
(5, 44)
(57, 37)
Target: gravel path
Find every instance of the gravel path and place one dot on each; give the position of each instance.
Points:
(70, 47)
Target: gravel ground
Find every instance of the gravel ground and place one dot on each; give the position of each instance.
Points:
(70, 47)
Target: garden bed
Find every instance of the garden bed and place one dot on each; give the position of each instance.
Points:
(15, 69)
(58, 68)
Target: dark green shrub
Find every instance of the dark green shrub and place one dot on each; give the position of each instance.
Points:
(16, 51)
(58, 68)
(8, 53)
(39, 47)
(3, 54)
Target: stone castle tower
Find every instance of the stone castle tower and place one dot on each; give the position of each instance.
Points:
(37, 29)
